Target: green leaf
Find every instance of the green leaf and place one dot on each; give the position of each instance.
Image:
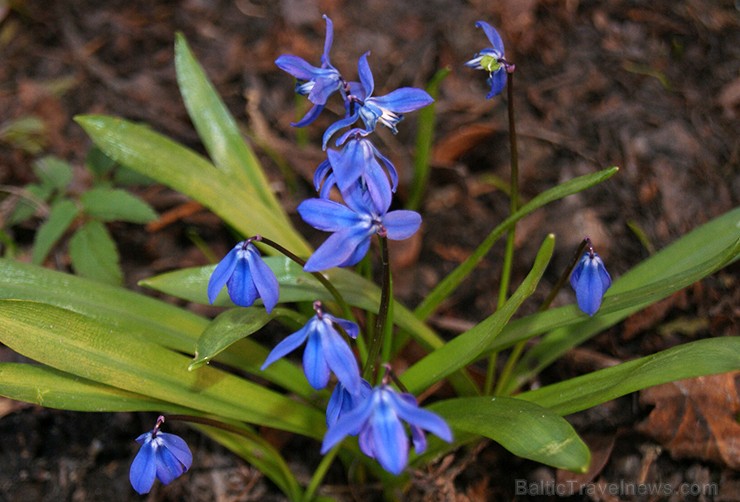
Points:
(525, 429)
(94, 254)
(469, 346)
(167, 162)
(99, 352)
(227, 328)
(140, 316)
(218, 129)
(34, 197)
(111, 204)
(98, 162)
(52, 388)
(53, 171)
(699, 358)
(455, 278)
(61, 216)
(694, 256)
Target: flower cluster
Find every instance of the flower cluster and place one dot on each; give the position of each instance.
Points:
(162, 456)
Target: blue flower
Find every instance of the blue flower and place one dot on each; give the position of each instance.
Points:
(315, 83)
(492, 60)
(388, 109)
(381, 433)
(246, 276)
(342, 402)
(353, 226)
(590, 280)
(325, 351)
(359, 160)
(164, 456)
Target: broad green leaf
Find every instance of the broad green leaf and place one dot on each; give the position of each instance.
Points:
(167, 162)
(455, 278)
(689, 360)
(694, 256)
(52, 388)
(61, 216)
(226, 329)
(218, 129)
(469, 346)
(112, 204)
(525, 429)
(138, 315)
(84, 347)
(261, 454)
(94, 254)
(98, 162)
(53, 171)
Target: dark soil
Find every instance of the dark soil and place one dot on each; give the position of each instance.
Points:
(650, 86)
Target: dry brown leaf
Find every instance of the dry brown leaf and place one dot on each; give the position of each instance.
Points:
(696, 418)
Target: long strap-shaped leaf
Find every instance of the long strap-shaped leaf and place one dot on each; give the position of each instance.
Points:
(699, 358)
(147, 152)
(218, 129)
(525, 429)
(82, 346)
(152, 319)
(469, 346)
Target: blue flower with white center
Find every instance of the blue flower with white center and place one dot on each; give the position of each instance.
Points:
(315, 83)
(246, 277)
(382, 436)
(359, 160)
(353, 226)
(492, 60)
(326, 351)
(162, 456)
(590, 280)
(342, 402)
(388, 109)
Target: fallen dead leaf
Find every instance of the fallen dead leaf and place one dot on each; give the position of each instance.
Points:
(696, 418)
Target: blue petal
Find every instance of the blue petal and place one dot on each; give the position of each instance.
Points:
(315, 365)
(365, 440)
(366, 76)
(357, 255)
(222, 273)
(497, 81)
(178, 447)
(389, 438)
(339, 357)
(322, 171)
(406, 99)
(340, 402)
(327, 41)
(349, 327)
(348, 423)
(390, 167)
(576, 274)
(338, 249)
(327, 215)
(298, 67)
(324, 86)
(348, 164)
(289, 344)
(309, 117)
(339, 124)
(264, 279)
(242, 290)
(143, 469)
(492, 35)
(378, 186)
(401, 224)
(406, 408)
(168, 467)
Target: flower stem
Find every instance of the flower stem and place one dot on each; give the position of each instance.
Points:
(511, 234)
(376, 343)
(346, 310)
(516, 352)
(320, 472)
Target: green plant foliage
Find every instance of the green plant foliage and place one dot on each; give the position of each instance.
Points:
(525, 429)
(110, 204)
(61, 216)
(94, 254)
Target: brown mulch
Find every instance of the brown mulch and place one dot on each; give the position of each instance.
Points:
(650, 86)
